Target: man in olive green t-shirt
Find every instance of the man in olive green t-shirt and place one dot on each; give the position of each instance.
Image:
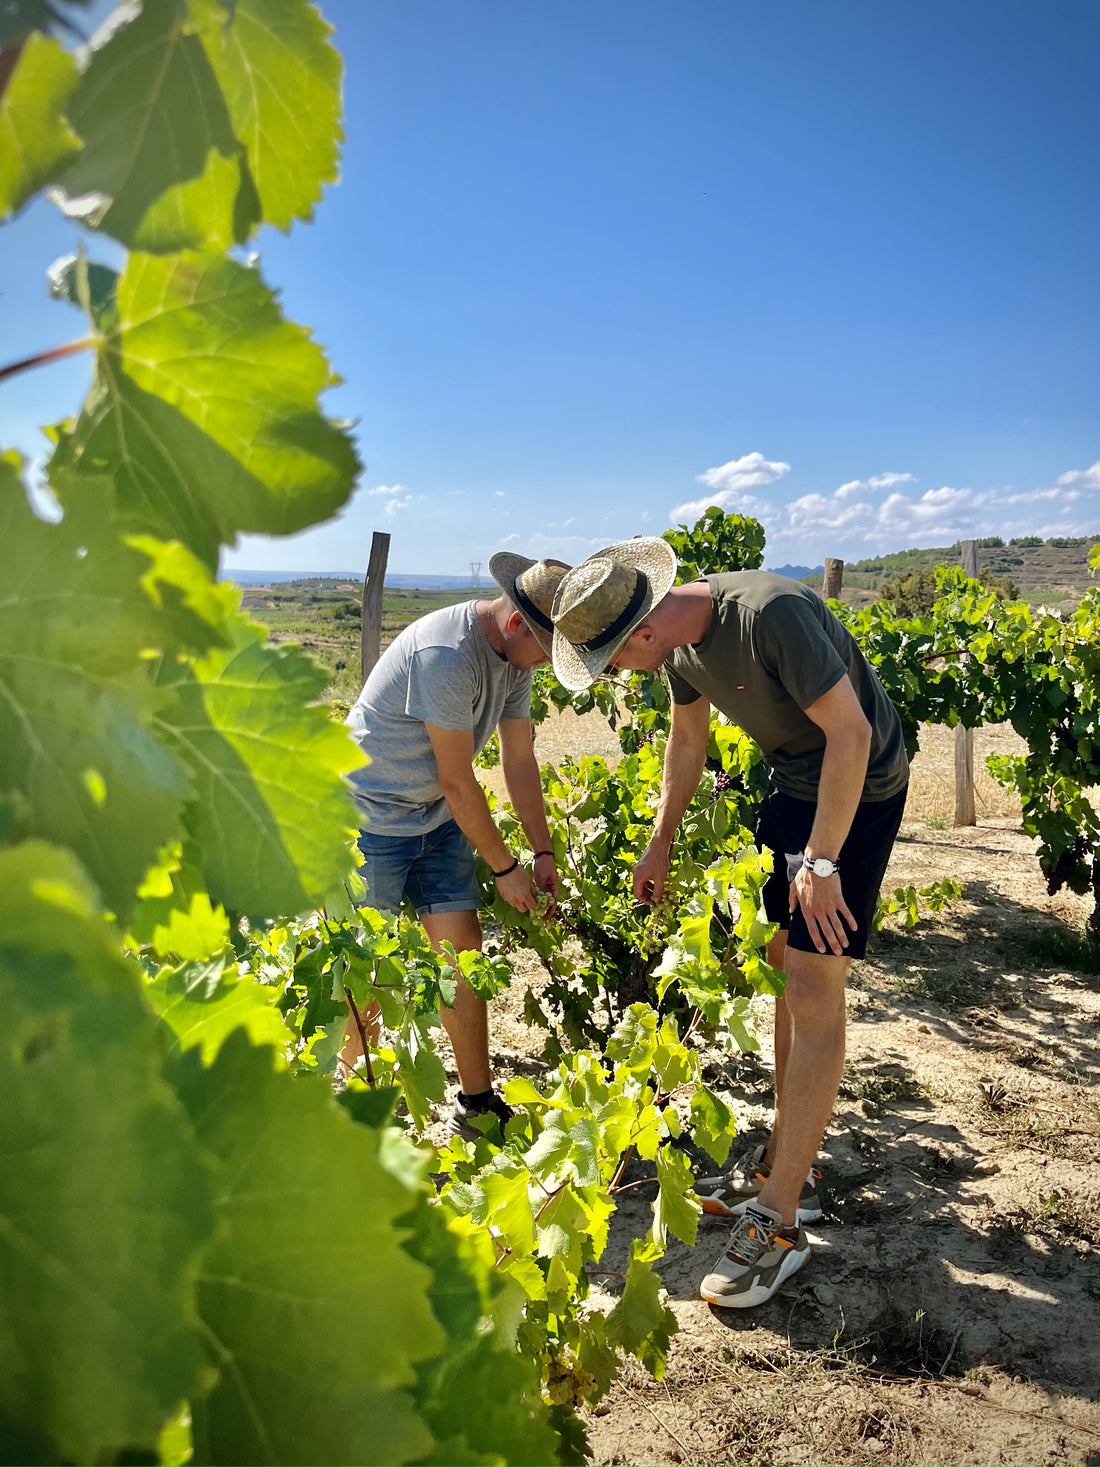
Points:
(772, 656)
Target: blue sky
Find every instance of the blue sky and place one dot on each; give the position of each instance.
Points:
(593, 266)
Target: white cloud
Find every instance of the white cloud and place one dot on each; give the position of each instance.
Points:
(731, 483)
(394, 506)
(388, 489)
(877, 481)
(1080, 478)
(740, 474)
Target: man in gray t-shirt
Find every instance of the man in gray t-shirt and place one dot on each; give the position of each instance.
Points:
(772, 656)
(428, 708)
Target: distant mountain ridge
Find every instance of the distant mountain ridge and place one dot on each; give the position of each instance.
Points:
(397, 582)
(796, 572)
(400, 582)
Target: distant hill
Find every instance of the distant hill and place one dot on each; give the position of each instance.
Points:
(398, 582)
(1052, 572)
(796, 572)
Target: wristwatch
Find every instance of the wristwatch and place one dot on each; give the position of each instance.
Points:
(820, 865)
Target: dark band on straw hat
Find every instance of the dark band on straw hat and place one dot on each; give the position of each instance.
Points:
(529, 609)
(608, 635)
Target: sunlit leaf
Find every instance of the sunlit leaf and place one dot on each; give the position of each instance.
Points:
(204, 410)
(103, 1195)
(313, 1314)
(35, 136)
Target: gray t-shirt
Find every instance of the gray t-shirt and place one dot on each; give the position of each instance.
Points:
(774, 648)
(441, 670)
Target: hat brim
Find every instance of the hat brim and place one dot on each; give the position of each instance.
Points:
(506, 569)
(575, 667)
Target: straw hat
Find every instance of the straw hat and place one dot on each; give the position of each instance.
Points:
(602, 600)
(530, 585)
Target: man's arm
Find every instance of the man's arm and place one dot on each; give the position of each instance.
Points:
(521, 777)
(454, 758)
(685, 755)
(843, 770)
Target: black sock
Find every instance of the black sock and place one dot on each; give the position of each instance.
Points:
(482, 1099)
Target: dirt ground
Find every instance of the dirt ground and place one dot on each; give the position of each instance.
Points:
(949, 1312)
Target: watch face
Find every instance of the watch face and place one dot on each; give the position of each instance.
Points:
(823, 867)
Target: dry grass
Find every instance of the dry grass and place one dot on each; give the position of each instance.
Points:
(932, 782)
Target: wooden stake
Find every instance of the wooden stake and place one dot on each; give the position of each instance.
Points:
(370, 642)
(965, 807)
(834, 579)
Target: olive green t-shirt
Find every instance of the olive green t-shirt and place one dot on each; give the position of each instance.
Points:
(774, 648)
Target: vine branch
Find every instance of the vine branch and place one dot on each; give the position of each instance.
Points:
(42, 358)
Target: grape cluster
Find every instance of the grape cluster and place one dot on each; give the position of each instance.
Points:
(566, 1383)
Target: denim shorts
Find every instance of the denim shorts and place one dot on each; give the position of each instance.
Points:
(784, 826)
(436, 871)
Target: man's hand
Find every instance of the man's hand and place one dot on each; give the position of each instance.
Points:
(651, 873)
(518, 889)
(823, 907)
(546, 879)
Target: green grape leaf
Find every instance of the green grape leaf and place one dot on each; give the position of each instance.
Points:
(596, 1356)
(639, 1322)
(712, 1124)
(204, 410)
(202, 1006)
(676, 1208)
(161, 168)
(270, 815)
(484, 1407)
(633, 1043)
(34, 134)
(192, 933)
(481, 1401)
(280, 77)
(505, 1204)
(314, 1315)
(104, 1198)
(584, 1138)
(420, 1071)
(552, 1145)
(76, 702)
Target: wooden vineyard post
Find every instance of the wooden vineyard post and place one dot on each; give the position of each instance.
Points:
(370, 643)
(834, 579)
(965, 809)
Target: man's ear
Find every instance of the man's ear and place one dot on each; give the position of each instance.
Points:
(517, 623)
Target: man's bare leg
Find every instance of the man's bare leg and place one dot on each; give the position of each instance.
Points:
(777, 956)
(467, 1024)
(813, 1062)
(371, 1020)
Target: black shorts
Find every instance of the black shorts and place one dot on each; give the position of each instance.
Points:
(784, 827)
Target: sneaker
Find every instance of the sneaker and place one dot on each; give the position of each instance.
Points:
(761, 1254)
(468, 1106)
(728, 1196)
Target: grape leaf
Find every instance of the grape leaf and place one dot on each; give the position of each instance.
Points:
(34, 134)
(204, 410)
(712, 1123)
(75, 701)
(161, 168)
(314, 1315)
(270, 816)
(202, 1006)
(639, 1322)
(481, 1401)
(280, 77)
(676, 1208)
(103, 1195)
